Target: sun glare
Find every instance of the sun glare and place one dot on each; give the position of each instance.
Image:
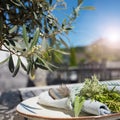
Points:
(112, 36)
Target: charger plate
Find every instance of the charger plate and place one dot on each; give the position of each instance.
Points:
(31, 109)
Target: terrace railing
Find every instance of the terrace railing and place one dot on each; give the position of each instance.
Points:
(78, 74)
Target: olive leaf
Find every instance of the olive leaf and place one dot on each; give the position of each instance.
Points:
(12, 42)
(17, 67)
(35, 38)
(23, 66)
(11, 64)
(51, 65)
(44, 44)
(58, 57)
(13, 29)
(35, 16)
(63, 23)
(32, 72)
(25, 38)
(62, 52)
(45, 64)
(87, 8)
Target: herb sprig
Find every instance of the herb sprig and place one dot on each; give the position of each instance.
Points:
(93, 90)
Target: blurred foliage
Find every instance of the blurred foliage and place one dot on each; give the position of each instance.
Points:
(24, 23)
(82, 61)
(73, 58)
(100, 51)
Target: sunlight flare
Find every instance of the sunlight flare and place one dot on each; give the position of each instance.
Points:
(112, 36)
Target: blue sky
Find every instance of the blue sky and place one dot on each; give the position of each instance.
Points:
(95, 24)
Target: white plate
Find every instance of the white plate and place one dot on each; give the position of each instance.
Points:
(31, 109)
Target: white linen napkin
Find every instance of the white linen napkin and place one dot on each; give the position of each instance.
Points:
(89, 106)
(95, 108)
(45, 99)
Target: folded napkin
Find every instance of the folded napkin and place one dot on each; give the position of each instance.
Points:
(45, 99)
(95, 108)
(89, 106)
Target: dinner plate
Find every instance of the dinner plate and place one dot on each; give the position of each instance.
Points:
(31, 109)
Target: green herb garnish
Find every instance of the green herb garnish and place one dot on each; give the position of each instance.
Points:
(78, 103)
(93, 90)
